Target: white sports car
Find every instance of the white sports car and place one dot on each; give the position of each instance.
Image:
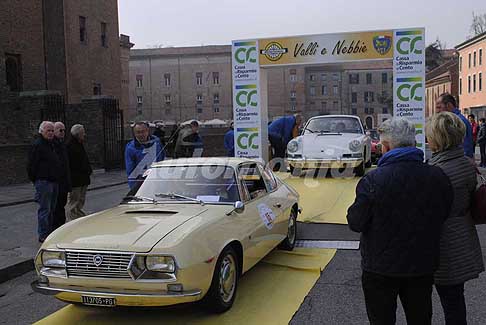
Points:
(331, 141)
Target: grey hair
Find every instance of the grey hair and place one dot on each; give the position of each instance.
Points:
(399, 132)
(43, 125)
(76, 130)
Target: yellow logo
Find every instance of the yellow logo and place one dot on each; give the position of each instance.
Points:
(274, 51)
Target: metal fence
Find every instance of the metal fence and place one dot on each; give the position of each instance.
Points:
(112, 134)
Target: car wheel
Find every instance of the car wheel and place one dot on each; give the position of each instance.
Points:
(360, 170)
(295, 171)
(289, 242)
(222, 292)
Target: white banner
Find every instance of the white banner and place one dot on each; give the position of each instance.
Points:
(246, 99)
(409, 79)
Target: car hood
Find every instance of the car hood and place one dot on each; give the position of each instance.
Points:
(328, 145)
(133, 228)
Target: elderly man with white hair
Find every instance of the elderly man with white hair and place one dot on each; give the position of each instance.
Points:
(81, 170)
(399, 210)
(44, 170)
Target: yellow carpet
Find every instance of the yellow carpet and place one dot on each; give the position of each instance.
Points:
(323, 199)
(268, 294)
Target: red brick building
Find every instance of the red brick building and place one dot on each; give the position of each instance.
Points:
(62, 45)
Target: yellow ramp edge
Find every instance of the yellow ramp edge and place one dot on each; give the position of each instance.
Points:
(270, 293)
(323, 199)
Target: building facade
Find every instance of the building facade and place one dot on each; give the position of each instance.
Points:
(472, 75)
(178, 84)
(61, 45)
(443, 79)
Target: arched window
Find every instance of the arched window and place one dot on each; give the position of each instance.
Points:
(369, 122)
(13, 72)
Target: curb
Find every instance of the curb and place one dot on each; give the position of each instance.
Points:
(2, 205)
(16, 270)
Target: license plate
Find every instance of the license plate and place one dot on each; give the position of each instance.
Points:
(98, 301)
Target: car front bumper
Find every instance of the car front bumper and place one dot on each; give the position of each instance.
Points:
(74, 294)
(304, 163)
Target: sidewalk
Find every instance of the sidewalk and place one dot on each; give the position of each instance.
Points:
(17, 249)
(24, 193)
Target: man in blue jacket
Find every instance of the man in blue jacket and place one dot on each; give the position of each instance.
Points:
(447, 103)
(141, 152)
(281, 131)
(229, 141)
(399, 210)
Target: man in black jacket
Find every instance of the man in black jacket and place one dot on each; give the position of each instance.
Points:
(45, 171)
(65, 181)
(482, 141)
(80, 173)
(399, 210)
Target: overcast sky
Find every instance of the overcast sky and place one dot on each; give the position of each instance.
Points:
(154, 23)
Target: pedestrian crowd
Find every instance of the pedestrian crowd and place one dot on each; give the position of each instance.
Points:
(417, 221)
(60, 170)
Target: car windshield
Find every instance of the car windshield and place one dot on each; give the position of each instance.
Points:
(199, 184)
(336, 124)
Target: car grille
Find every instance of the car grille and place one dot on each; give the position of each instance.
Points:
(113, 265)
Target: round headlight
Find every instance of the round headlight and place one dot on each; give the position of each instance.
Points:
(160, 264)
(355, 145)
(293, 146)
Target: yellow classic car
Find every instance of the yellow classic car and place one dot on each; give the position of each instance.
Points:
(187, 232)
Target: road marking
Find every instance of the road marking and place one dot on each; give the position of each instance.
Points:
(336, 244)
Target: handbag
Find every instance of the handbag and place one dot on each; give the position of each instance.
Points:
(478, 210)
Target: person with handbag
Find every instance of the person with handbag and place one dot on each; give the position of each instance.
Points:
(460, 250)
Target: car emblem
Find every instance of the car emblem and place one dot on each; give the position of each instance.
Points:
(97, 260)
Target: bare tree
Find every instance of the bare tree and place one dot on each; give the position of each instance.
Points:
(478, 25)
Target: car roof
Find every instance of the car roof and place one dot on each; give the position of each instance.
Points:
(320, 116)
(206, 161)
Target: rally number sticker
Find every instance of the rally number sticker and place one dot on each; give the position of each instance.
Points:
(267, 215)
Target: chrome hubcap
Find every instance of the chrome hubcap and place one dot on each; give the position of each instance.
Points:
(227, 278)
(291, 230)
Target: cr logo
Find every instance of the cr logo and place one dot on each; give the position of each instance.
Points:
(407, 92)
(243, 55)
(406, 45)
(245, 98)
(246, 140)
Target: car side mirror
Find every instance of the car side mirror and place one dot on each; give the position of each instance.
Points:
(239, 207)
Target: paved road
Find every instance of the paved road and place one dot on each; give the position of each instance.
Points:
(335, 299)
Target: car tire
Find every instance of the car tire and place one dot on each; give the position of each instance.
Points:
(222, 294)
(288, 243)
(295, 171)
(360, 170)
(369, 163)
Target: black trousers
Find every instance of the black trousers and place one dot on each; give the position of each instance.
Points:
(482, 150)
(453, 303)
(59, 216)
(381, 294)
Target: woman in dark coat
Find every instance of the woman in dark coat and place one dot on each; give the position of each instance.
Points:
(460, 251)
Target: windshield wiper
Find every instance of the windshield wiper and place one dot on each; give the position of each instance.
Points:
(179, 196)
(140, 198)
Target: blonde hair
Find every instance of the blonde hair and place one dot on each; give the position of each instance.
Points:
(445, 131)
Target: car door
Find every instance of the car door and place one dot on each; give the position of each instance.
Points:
(277, 199)
(260, 216)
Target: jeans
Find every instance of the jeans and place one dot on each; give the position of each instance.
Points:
(46, 196)
(453, 303)
(381, 294)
